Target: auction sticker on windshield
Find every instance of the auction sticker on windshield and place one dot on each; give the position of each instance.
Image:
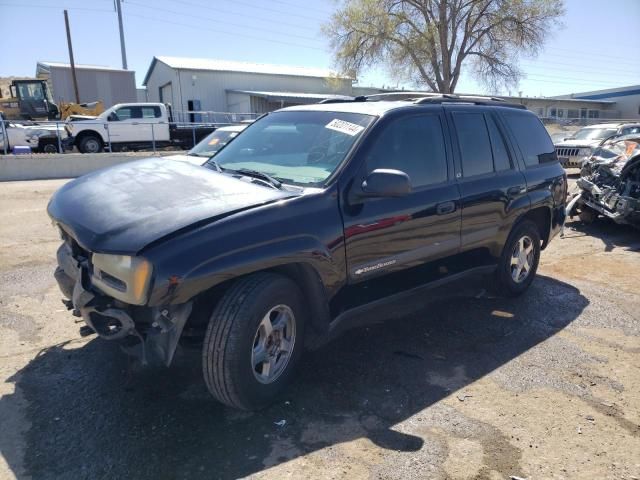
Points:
(349, 128)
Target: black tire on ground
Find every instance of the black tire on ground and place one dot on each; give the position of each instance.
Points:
(90, 144)
(236, 332)
(587, 215)
(49, 147)
(510, 280)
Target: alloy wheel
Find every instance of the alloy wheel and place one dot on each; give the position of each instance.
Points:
(522, 257)
(273, 344)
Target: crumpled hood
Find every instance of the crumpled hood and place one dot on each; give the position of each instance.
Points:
(122, 209)
(578, 143)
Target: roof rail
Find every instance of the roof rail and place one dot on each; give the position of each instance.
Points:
(360, 98)
(398, 96)
(474, 99)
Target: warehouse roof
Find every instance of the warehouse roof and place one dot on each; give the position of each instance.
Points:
(79, 66)
(232, 66)
(293, 96)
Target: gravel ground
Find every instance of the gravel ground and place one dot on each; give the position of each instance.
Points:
(472, 386)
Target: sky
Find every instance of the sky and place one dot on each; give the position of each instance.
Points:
(597, 47)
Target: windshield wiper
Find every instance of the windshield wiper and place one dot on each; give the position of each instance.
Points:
(211, 161)
(260, 175)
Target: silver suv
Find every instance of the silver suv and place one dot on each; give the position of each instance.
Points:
(574, 150)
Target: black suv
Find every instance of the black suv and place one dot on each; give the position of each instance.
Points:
(311, 219)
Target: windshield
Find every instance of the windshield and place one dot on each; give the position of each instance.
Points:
(298, 147)
(31, 91)
(213, 142)
(594, 133)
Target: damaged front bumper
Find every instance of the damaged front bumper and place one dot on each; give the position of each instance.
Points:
(148, 333)
(609, 203)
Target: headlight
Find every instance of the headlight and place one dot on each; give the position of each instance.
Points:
(123, 277)
(584, 152)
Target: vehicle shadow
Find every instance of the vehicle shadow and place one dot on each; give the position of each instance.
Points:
(93, 416)
(611, 234)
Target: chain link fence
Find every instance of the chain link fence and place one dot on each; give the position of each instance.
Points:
(55, 136)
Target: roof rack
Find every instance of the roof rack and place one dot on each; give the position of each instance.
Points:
(474, 99)
(360, 98)
(421, 98)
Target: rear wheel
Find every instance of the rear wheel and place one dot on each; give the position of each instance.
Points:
(90, 144)
(253, 341)
(519, 261)
(50, 147)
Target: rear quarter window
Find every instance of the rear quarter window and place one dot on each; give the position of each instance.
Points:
(532, 138)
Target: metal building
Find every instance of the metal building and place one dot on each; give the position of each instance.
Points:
(111, 85)
(193, 85)
(626, 99)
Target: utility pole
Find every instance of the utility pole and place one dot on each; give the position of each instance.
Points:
(73, 65)
(122, 47)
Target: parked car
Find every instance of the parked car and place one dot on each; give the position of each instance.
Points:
(574, 150)
(610, 182)
(40, 138)
(209, 145)
(132, 126)
(310, 221)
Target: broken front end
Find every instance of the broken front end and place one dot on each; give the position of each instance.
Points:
(610, 183)
(108, 292)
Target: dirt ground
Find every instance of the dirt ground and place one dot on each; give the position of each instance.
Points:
(473, 386)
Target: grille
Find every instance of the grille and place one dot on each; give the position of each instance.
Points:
(567, 152)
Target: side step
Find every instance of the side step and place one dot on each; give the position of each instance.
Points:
(375, 311)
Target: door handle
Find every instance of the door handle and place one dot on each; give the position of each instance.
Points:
(445, 207)
(513, 191)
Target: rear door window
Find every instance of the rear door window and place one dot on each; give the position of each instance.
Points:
(532, 138)
(475, 146)
(501, 159)
(151, 112)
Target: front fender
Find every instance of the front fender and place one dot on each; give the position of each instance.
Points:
(173, 289)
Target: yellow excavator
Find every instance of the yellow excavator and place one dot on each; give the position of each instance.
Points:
(31, 100)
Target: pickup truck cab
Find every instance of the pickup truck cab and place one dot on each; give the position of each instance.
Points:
(310, 221)
(131, 126)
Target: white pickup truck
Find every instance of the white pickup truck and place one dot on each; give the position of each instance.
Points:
(132, 126)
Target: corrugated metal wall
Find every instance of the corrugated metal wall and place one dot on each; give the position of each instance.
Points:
(161, 77)
(109, 86)
(211, 87)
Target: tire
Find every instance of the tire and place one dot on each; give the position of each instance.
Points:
(587, 215)
(90, 144)
(49, 148)
(236, 340)
(511, 279)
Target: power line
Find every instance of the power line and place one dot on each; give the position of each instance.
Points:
(617, 60)
(201, 17)
(243, 14)
(23, 5)
(552, 65)
(240, 2)
(303, 6)
(217, 30)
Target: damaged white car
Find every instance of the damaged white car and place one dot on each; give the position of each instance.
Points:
(609, 183)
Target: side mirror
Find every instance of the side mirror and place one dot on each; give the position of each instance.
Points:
(384, 182)
(112, 117)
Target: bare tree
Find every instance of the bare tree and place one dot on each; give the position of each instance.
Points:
(429, 42)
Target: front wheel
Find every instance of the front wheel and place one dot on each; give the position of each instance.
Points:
(90, 144)
(254, 339)
(519, 261)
